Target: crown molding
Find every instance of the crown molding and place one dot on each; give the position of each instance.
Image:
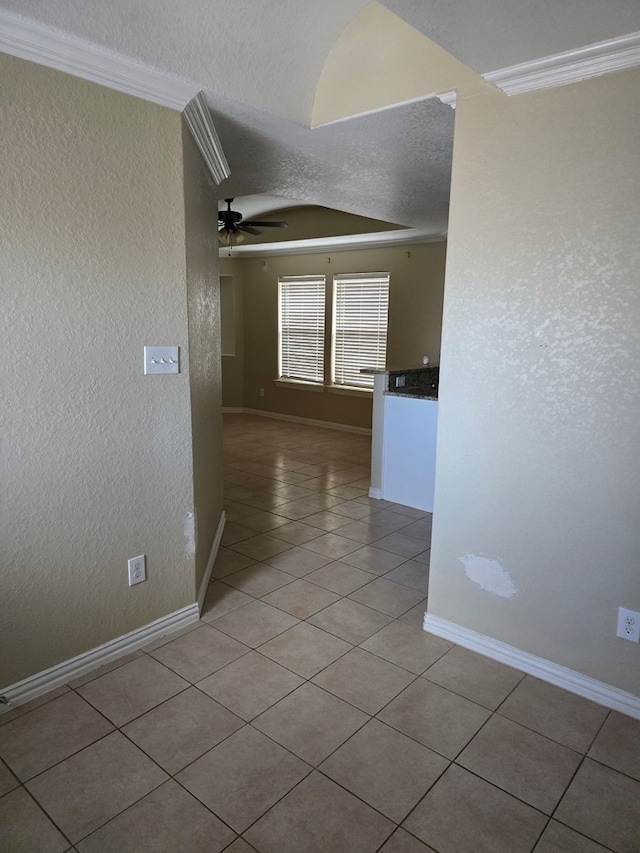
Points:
(448, 98)
(28, 40)
(568, 67)
(199, 121)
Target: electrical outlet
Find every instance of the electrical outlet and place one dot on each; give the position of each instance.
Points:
(262, 392)
(628, 625)
(137, 570)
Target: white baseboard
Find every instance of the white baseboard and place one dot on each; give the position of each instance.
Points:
(232, 410)
(48, 679)
(308, 421)
(375, 493)
(546, 670)
(204, 584)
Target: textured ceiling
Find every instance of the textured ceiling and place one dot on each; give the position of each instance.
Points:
(259, 64)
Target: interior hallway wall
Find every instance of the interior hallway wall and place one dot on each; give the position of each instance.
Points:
(536, 540)
(96, 458)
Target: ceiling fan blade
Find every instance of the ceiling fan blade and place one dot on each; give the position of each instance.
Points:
(248, 228)
(261, 224)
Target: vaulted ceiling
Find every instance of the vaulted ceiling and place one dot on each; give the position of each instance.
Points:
(332, 103)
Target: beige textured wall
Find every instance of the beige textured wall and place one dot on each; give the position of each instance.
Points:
(95, 457)
(233, 365)
(538, 469)
(205, 374)
(415, 317)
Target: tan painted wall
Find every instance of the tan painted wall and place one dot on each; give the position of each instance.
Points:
(205, 372)
(415, 316)
(538, 463)
(96, 458)
(233, 365)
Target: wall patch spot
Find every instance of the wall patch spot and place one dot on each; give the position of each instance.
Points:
(489, 575)
(190, 534)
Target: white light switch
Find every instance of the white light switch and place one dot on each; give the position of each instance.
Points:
(161, 360)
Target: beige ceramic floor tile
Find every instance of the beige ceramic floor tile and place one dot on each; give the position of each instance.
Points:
(200, 653)
(435, 717)
(296, 510)
(413, 574)
(310, 723)
(618, 744)
(385, 768)
(464, 813)
(364, 680)
(407, 646)
(166, 819)
(387, 597)
(339, 578)
(603, 805)
(258, 579)
(400, 543)
(364, 532)
(297, 532)
(320, 816)
(240, 846)
(107, 667)
(260, 547)
(298, 561)
(25, 828)
(305, 649)
(256, 622)
(373, 560)
(19, 710)
(415, 616)
(301, 599)
(236, 532)
(7, 780)
(222, 599)
(88, 789)
(132, 689)
(228, 561)
(181, 729)
(331, 545)
(555, 713)
(560, 839)
(349, 620)
(243, 777)
(521, 762)
(250, 685)
(50, 733)
(402, 842)
(262, 521)
(474, 676)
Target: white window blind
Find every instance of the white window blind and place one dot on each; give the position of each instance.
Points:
(301, 327)
(360, 311)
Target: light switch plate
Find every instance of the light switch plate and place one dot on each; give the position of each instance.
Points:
(161, 360)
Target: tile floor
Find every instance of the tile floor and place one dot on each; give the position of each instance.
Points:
(307, 712)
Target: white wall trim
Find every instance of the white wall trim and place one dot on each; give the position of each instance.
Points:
(204, 584)
(546, 670)
(55, 49)
(376, 494)
(48, 679)
(309, 421)
(568, 67)
(198, 119)
(232, 410)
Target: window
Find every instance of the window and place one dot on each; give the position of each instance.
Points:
(360, 311)
(301, 328)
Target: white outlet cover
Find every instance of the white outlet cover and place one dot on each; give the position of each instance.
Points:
(161, 360)
(628, 625)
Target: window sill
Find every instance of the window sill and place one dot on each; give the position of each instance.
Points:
(298, 385)
(350, 390)
(316, 387)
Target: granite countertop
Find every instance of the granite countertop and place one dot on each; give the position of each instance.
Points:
(417, 393)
